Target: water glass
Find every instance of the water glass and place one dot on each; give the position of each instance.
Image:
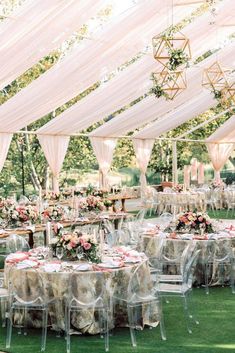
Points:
(59, 252)
(80, 253)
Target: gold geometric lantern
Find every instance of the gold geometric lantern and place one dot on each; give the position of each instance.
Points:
(228, 95)
(164, 45)
(215, 77)
(171, 82)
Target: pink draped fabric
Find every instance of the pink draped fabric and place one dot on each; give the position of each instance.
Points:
(201, 176)
(219, 154)
(187, 169)
(194, 167)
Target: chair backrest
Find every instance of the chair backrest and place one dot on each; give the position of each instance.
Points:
(189, 267)
(15, 243)
(165, 220)
(186, 255)
(108, 226)
(140, 285)
(140, 216)
(26, 287)
(86, 290)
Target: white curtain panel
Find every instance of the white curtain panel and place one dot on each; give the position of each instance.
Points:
(54, 148)
(5, 140)
(219, 154)
(38, 28)
(143, 150)
(103, 149)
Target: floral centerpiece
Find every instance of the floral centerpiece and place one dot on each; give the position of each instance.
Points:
(90, 203)
(177, 188)
(194, 222)
(18, 214)
(77, 241)
(53, 213)
(51, 196)
(107, 203)
(5, 205)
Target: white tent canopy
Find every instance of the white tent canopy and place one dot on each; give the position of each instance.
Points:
(117, 42)
(36, 29)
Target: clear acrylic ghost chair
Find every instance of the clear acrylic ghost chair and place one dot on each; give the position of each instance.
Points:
(108, 226)
(84, 296)
(219, 254)
(183, 289)
(165, 220)
(182, 260)
(141, 291)
(139, 218)
(26, 293)
(15, 243)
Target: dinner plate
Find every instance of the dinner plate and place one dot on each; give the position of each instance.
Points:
(102, 265)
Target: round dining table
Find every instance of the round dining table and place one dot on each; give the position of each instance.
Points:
(56, 276)
(214, 247)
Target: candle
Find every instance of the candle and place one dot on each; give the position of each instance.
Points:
(101, 243)
(48, 233)
(40, 203)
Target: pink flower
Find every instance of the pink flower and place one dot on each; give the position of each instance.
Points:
(86, 246)
(73, 244)
(200, 219)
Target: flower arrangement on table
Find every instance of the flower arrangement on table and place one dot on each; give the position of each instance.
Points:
(51, 196)
(107, 203)
(90, 203)
(77, 241)
(217, 184)
(53, 213)
(194, 222)
(18, 214)
(5, 205)
(94, 191)
(177, 188)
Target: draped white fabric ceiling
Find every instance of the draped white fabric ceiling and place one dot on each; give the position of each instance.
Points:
(110, 47)
(132, 82)
(38, 28)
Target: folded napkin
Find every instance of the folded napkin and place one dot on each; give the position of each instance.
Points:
(27, 264)
(111, 263)
(82, 267)
(17, 257)
(201, 237)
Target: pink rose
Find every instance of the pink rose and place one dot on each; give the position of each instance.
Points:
(200, 219)
(72, 244)
(86, 246)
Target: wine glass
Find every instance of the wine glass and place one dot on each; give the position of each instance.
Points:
(59, 252)
(79, 253)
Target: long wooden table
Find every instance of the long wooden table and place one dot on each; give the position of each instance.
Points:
(122, 198)
(66, 224)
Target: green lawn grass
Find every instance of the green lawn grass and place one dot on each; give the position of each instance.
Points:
(219, 214)
(215, 334)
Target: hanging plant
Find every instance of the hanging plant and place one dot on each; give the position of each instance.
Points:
(157, 89)
(217, 94)
(177, 57)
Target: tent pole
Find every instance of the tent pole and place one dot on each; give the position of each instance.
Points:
(174, 163)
